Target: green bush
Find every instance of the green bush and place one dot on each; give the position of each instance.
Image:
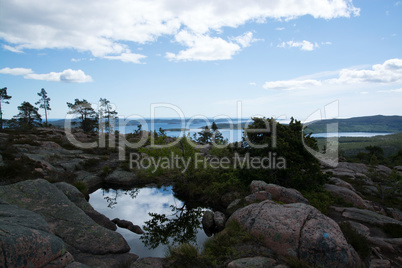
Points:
(294, 262)
(81, 186)
(322, 200)
(91, 163)
(222, 247)
(106, 171)
(184, 255)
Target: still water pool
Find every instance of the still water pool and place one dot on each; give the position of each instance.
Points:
(172, 221)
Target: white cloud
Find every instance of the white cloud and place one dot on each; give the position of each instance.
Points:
(280, 28)
(203, 48)
(108, 28)
(67, 76)
(127, 57)
(291, 84)
(245, 40)
(16, 71)
(206, 48)
(399, 90)
(252, 84)
(12, 49)
(390, 72)
(303, 45)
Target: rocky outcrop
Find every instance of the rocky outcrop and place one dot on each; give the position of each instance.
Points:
(52, 158)
(150, 262)
(298, 230)
(128, 225)
(121, 177)
(79, 200)
(258, 197)
(26, 240)
(278, 193)
(91, 180)
(342, 183)
(107, 260)
(394, 213)
(257, 262)
(379, 263)
(65, 219)
(219, 221)
(213, 222)
(347, 195)
(349, 170)
(208, 222)
(366, 216)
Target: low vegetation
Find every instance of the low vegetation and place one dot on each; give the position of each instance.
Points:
(355, 148)
(218, 251)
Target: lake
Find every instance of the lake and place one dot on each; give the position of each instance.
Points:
(348, 134)
(235, 135)
(135, 205)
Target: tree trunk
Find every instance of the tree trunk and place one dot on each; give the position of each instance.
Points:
(46, 117)
(1, 117)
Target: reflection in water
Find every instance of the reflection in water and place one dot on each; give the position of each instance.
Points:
(141, 205)
(179, 227)
(112, 198)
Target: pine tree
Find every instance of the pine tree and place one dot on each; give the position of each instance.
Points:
(86, 114)
(205, 136)
(44, 102)
(28, 117)
(3, 99)
(106, 112)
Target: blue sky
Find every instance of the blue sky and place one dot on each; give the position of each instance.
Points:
(276, 58)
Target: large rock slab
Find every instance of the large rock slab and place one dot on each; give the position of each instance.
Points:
(366, 216)
(26, 241)
(278, 193)
(150, 262)
(351, 171)
(121, 177)
(79, 200)
(255, 262)
(65, 219)
(92, 180)
(298, 230)
(347, 195)
(342, 183)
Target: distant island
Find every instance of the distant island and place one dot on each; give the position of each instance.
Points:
(377, 123)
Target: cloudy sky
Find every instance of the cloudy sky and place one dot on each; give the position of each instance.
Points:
(278, 58)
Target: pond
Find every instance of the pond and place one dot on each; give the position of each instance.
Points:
(170, 222)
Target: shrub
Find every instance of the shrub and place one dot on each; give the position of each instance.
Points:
(91, 163)
(322, 200)
(294, 262)
(81, 186)
(184, 255)
(106, 170)
(221, 248)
